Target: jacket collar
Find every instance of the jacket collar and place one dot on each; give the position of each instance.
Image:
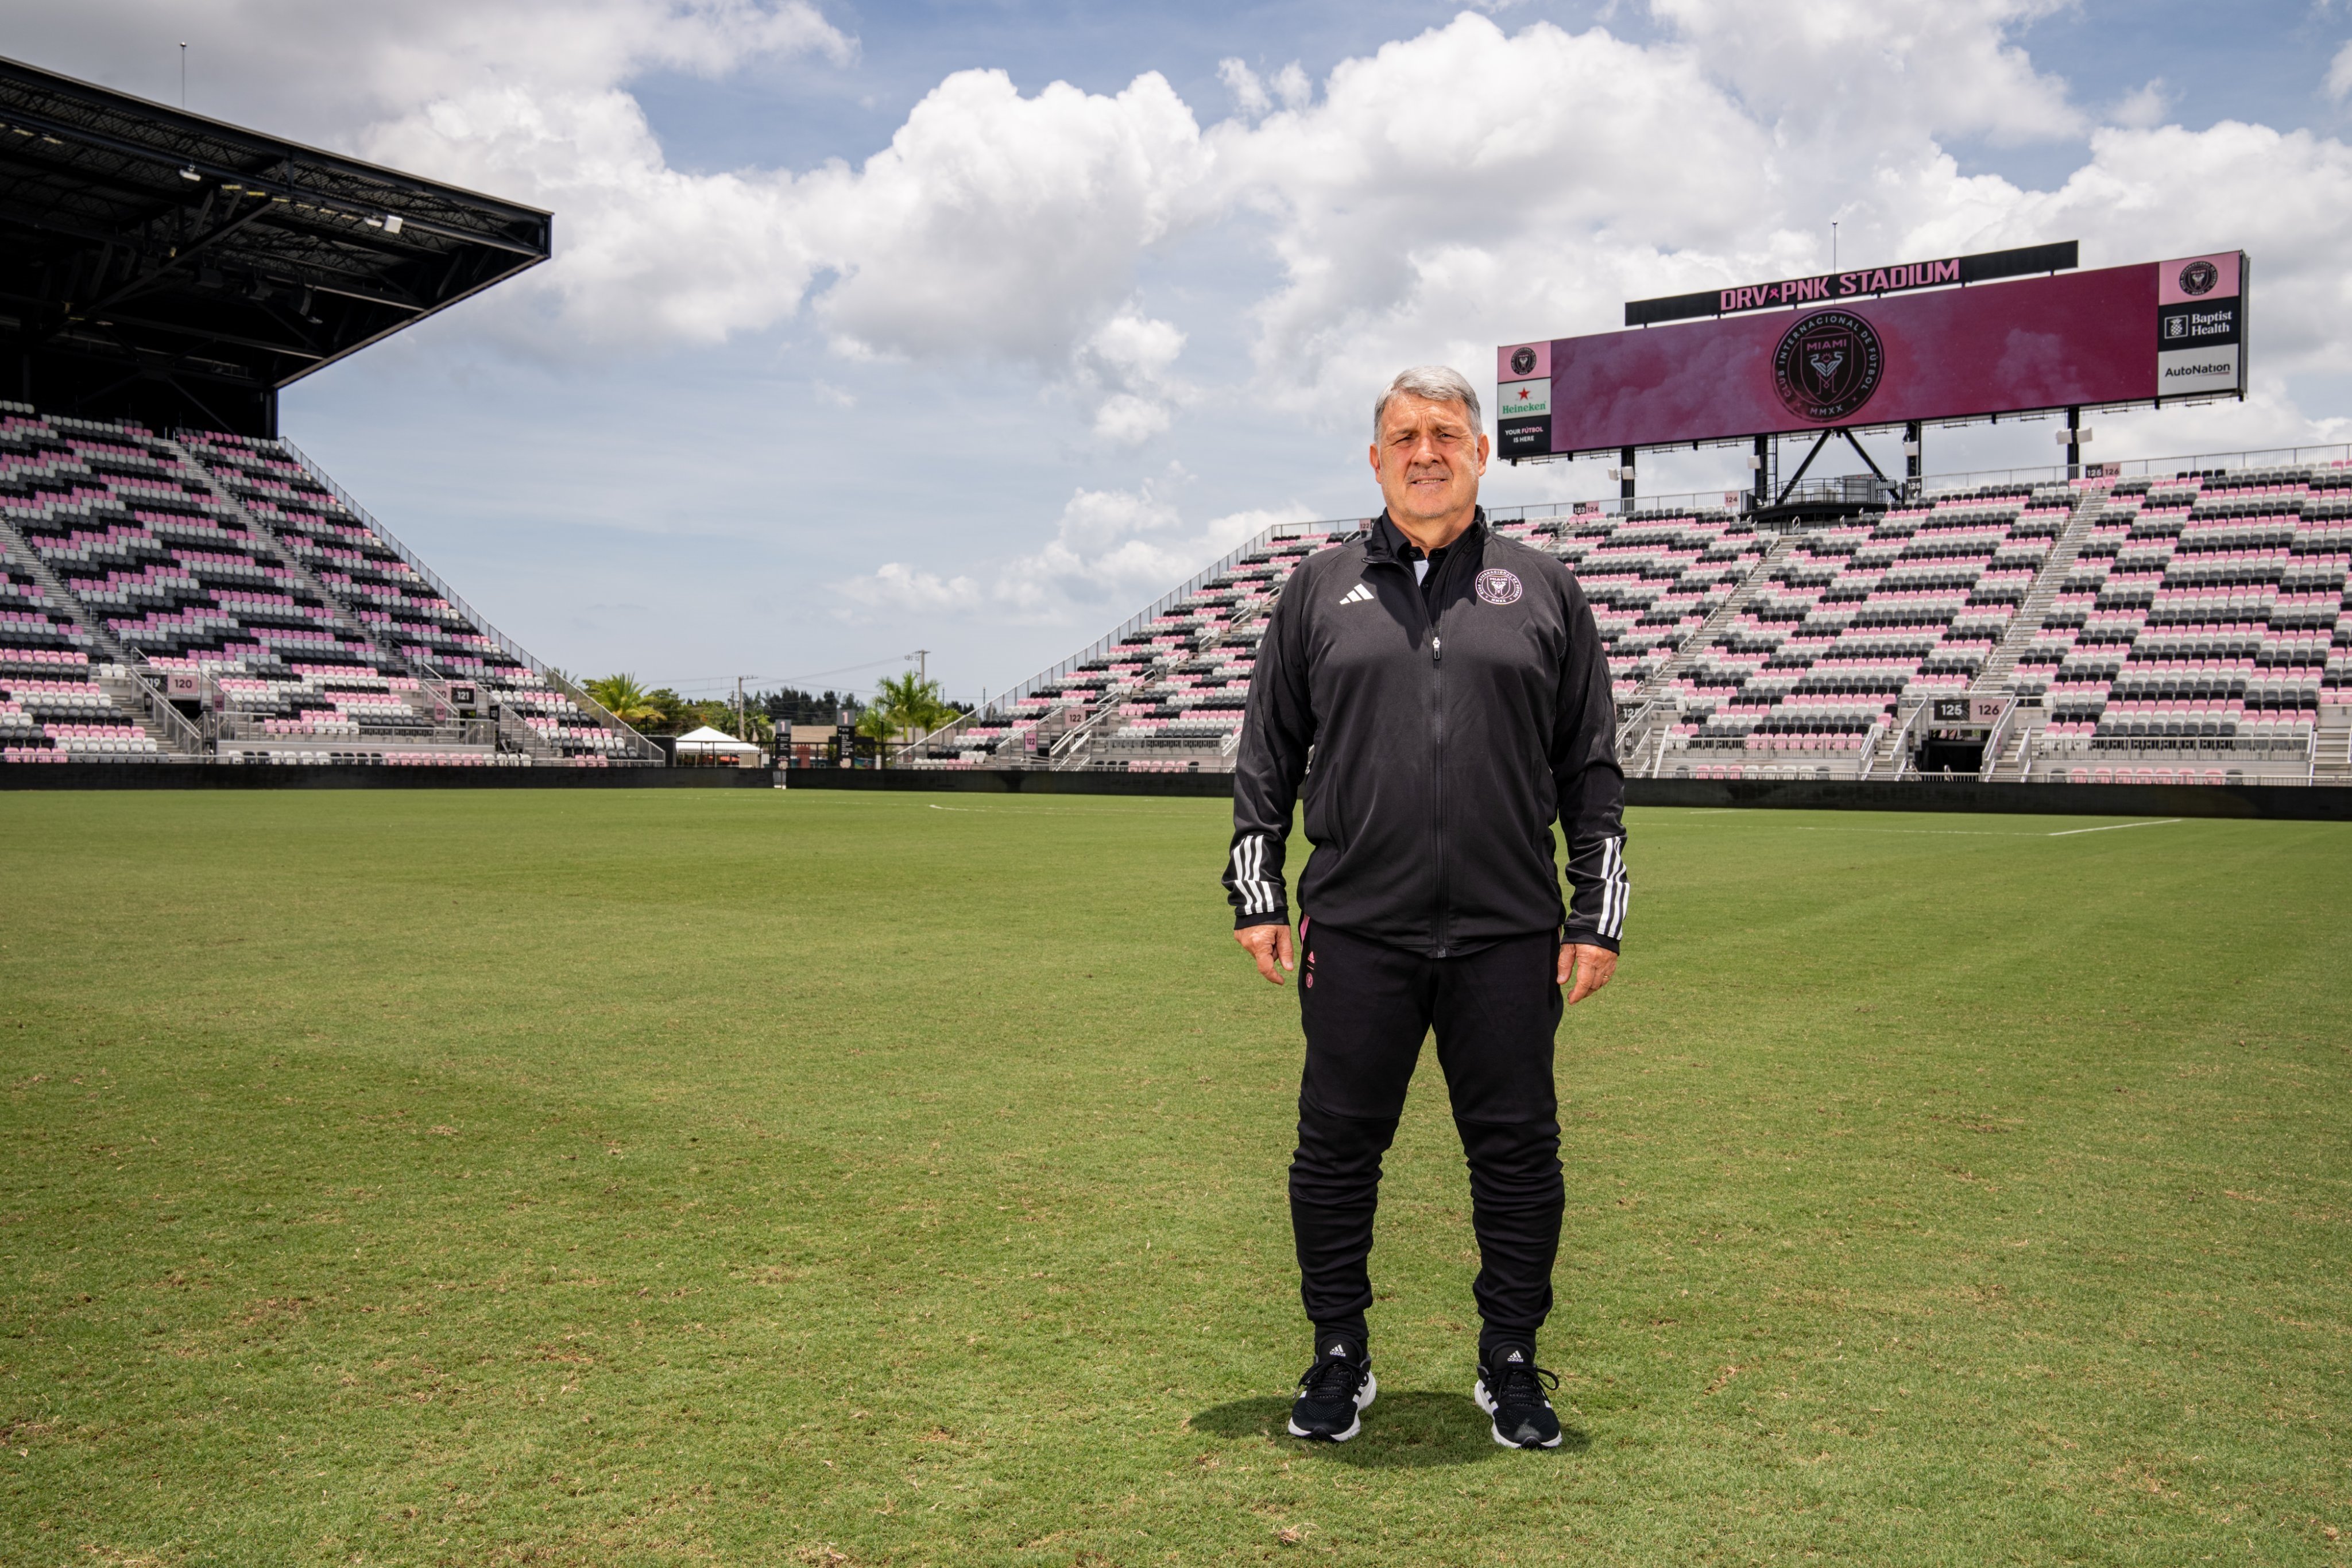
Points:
(1384, 542)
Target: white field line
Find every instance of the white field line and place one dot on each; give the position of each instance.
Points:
(1925, 833)
(1983, 833)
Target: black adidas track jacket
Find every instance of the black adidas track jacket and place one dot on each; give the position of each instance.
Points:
(1436, 745)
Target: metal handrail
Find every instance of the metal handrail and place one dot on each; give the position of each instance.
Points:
(1630, 729)
(1658, 756)
(598, 711)
(1896, 751)
(2339, 453)
(1990, 758)
(157, 704)
(1065, 746)
(639, 747)
(1870, 739)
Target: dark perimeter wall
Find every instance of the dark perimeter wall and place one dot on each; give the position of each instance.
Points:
(2277, 802)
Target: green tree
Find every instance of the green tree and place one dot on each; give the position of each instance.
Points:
(904, 706)
(625, 699)
(672, 714)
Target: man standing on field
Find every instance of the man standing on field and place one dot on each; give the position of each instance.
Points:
(1441, 696)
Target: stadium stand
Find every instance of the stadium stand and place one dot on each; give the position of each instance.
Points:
(2200, 633)
(302, 631)
(2189, 626)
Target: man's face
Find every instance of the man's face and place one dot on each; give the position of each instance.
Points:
(1428, 458)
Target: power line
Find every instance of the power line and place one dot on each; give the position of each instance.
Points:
(728, 682)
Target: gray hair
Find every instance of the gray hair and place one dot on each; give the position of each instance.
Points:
(1437, 383)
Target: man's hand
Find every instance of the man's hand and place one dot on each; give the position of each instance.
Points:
(1591, 967)
(1266, 944)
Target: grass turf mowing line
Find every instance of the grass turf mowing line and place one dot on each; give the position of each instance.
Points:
(629, 1177)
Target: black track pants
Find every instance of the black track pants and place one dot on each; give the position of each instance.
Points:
(1367, 1008)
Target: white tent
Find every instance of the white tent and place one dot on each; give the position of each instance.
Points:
(708, 745)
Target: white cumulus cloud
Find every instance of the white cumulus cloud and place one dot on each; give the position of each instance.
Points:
(997, 225)
(1111, 551)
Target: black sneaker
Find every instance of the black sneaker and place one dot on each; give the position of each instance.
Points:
(1333, 1394)
(1511, 1389)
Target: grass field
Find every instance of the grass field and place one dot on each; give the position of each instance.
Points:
(849, 1179)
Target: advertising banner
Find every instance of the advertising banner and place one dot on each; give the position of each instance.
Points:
(2115, 335)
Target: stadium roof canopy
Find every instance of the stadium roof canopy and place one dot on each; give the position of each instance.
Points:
(158, 266)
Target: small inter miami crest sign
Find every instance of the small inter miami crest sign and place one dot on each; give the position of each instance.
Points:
(1828, 364)
(2198, 278)
(1497, 585)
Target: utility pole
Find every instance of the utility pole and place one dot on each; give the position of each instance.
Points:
(922, 662)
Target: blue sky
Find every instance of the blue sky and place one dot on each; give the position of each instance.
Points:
(786, 409)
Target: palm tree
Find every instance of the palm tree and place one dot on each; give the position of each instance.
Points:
(625, 699)
(911, 703)
(875, 723)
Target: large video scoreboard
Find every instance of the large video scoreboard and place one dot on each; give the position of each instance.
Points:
(1942, 339)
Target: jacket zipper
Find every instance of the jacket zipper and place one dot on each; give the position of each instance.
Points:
(1437, 779)
(1431, 618)
(1434, 603)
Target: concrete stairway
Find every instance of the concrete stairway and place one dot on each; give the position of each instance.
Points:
(344, 620)
(1640, 744)
(2015, 758)
(136, 694)
(58, 597)
(1663, 678)
(1993, 678)
(2332, 763)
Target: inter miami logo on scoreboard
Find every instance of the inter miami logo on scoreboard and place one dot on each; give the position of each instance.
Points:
(2200, 326)
(1523, 362)
(1828, 364)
